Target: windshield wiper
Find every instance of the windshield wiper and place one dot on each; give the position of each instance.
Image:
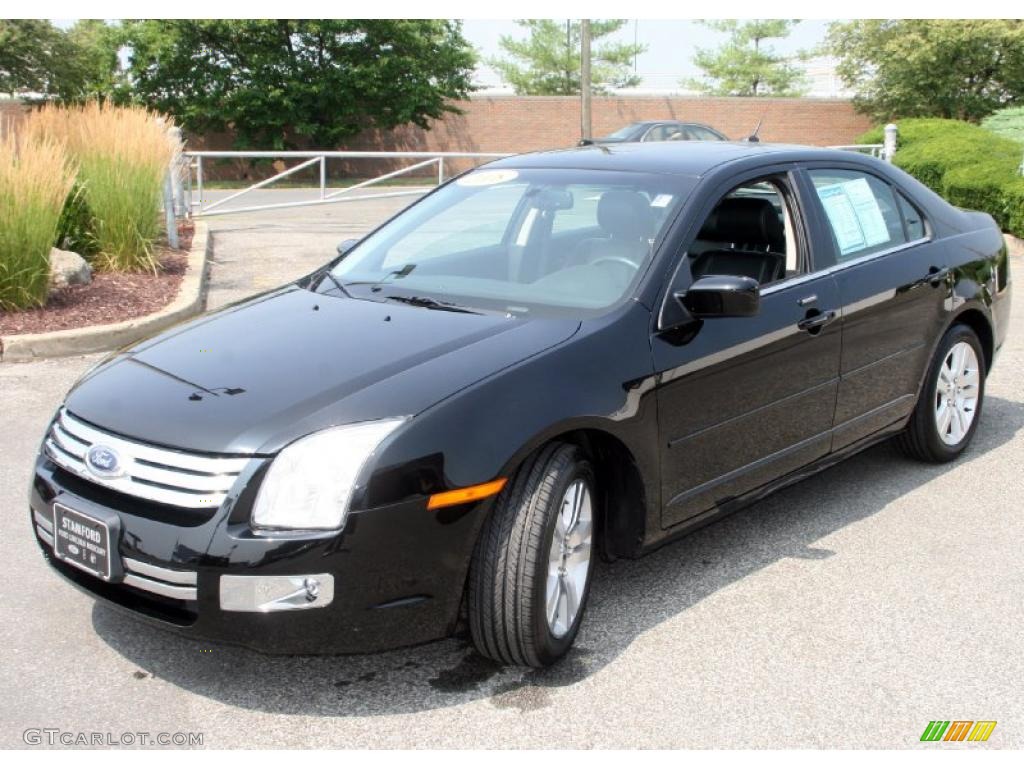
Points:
(337, 282)
(428, 303)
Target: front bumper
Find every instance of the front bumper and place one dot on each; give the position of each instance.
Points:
(398, 571)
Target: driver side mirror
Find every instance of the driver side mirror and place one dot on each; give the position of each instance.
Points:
(709, 297)
(346, 245)
(721, 296)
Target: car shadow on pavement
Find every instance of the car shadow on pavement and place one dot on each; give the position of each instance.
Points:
(628, 598)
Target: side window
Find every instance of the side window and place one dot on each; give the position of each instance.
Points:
(659, 133)
(861, 211)
(912, 218)
(749, 233)
(701, 134)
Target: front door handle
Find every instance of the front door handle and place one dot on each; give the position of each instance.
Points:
(813, 323)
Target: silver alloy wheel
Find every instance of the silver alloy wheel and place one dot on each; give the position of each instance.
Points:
(569, 558)
(956, 393)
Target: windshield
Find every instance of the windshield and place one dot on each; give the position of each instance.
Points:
(517, 241)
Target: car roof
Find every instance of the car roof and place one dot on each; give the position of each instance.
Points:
(667, 121)
(690, 158)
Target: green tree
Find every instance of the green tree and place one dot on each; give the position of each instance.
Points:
(275, 82)
(547, 63)
(952, 68)
(26, 54)
(73, 65)
(90, 68)
(745, 65)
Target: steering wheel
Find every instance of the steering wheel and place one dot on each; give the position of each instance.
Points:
(622, 260)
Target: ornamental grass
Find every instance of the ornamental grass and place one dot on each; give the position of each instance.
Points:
(122, 155)
(36, 176)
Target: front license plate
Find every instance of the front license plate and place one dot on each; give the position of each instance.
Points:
(82, 541)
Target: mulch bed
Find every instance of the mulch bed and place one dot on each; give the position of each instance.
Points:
(110, 298)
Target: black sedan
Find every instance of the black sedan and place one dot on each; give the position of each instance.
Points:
(553, 358)
(659, 130)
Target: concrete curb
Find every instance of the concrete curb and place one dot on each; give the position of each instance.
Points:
(190, 301)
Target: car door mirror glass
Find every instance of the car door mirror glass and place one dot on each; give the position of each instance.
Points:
(722, 296)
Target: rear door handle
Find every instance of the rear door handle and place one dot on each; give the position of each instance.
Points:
(814, 323)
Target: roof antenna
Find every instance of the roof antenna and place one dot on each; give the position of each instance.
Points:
(753, 137)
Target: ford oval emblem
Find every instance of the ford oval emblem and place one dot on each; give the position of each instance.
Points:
(103, 461)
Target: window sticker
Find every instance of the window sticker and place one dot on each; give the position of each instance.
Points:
(869, 214)
(486, 178)
(661, 201)
(854, 214)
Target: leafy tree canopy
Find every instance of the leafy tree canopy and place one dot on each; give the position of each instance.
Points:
(45, 61)
(745, 65)
(547, 62)
(952, 68)
(276, 81)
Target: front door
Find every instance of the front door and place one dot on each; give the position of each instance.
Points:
(747, 400)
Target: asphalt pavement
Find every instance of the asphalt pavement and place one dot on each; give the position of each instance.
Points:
(847, 611)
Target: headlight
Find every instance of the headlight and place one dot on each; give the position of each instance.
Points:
(310, 482)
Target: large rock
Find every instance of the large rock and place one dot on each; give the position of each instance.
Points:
(68, 268)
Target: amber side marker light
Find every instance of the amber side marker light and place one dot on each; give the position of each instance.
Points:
(464, 495)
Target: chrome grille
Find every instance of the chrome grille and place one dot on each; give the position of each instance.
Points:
(181, 585)
(157, 474)
(168, 582)
(44, 527)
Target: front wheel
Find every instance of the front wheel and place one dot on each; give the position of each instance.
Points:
(531, 569)
(949, 408)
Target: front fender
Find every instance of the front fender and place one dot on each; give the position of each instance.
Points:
(600, 379)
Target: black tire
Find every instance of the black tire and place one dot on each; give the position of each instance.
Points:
(508, 575)
(921, 439)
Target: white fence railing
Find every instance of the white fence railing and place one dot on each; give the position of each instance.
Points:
(191, 167)
(202, 207)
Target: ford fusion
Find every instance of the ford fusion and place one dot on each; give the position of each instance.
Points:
(555, 358)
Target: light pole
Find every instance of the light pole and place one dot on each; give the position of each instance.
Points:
(585, 130)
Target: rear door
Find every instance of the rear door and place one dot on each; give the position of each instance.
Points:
(893, 284)
(747, 400)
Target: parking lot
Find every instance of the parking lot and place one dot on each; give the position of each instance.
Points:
(847, 611)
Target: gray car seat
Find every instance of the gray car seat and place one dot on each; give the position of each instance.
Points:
(627, 220)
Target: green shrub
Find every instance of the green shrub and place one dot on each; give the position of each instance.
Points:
(980, 187)
(1008, 123)
(1014, 206)
(35, 178)
(915, 130)
(75, 228)
(967, 164)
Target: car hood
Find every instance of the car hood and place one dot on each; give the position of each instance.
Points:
(255, 376)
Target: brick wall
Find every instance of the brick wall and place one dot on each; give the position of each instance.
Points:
(10, 113)
(522, 124)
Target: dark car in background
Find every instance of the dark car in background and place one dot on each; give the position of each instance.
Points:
(556, 357)
(659, 130)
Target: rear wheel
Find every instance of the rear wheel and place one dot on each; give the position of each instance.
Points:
(949, 407)
(530, 575)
